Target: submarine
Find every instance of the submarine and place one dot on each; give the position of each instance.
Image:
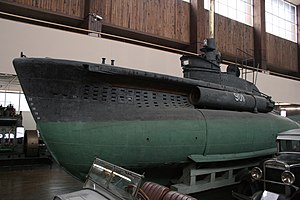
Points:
(138, 119)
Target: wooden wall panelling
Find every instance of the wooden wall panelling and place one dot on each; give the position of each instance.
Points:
(67, 7)
(167, 18)
(167, 23)
(100, 7)
(282, 54)
(260, 49)
(220, 27)
(183, 21)
(232, 35)
(198, 25)
(89, 21)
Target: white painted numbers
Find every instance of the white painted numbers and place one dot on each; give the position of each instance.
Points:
(239, 97)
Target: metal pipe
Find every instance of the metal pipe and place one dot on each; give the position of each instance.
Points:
(212, 19)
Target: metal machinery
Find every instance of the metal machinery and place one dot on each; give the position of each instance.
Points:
(108, 181)
(16, 145)
(10, 142)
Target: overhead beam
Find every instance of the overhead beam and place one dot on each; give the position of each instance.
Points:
(259, 26)
(197, 25)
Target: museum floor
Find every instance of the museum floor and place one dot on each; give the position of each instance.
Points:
(44, 182)
(36, 183)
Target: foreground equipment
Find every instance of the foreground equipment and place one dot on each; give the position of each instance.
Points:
(17, 145)
(108, 181)
(277, 178)
(11, 142)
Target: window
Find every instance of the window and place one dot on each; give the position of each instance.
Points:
(239, 10)
(289, 146)
(14, 98)
(281, 19)
(23, 103)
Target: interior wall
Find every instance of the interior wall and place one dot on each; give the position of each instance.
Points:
(37, 41)
(234, 39)
(281, 89)
(281, 54)
(167, 18)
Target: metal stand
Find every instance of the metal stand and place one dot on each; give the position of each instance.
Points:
(198, 180)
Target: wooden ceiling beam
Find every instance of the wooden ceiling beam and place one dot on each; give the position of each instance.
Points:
(259, 26)
(197, 25)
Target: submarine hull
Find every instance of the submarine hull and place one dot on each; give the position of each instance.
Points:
(135, 119)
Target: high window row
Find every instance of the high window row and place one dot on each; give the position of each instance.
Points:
(280, 15)
(281, 19)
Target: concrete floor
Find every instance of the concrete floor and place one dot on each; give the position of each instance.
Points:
(44, 183)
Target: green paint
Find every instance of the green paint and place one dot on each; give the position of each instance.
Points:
(126, 143)
(296, 118)
(144, 143)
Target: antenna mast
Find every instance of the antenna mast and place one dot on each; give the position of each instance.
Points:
(212, 19)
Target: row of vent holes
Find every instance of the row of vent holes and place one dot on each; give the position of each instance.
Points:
(104, 93)
(114, 96)
(146, 99)
(87, 91)
(128, 92)
(138, 95)
(95, 92)
(138, 98)
(122, 98)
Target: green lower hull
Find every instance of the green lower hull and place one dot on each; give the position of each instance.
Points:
(296, 118)
(151, 143)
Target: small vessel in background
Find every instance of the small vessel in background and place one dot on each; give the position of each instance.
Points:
(108, 181)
